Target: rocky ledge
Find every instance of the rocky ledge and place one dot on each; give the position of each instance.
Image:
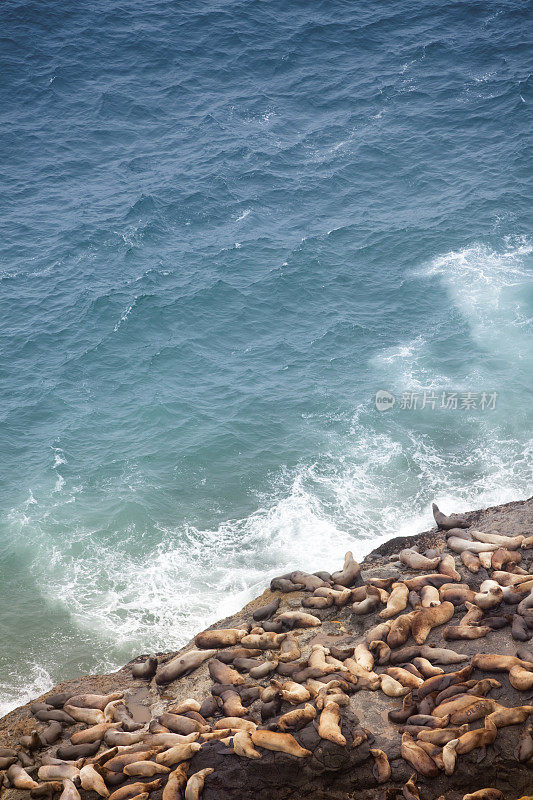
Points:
(407, 676)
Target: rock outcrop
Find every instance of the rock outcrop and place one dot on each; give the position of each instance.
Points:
(292, 697)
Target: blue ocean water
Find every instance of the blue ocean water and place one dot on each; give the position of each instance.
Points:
(225, 226)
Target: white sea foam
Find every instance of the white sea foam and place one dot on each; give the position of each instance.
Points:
(15, 690)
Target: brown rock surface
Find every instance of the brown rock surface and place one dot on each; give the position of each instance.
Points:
(332, 772)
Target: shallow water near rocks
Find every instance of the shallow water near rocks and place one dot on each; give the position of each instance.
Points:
(224, 228)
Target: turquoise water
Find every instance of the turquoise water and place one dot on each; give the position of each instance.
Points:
(224, 227)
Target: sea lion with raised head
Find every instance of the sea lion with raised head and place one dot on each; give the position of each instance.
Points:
(267, 611)
(503, 556)
(69, 791)
(341, 597)
(92, 781)
(145, 669)
(447, 522)
(400, 630)
(489, 599)
(329, 724)
(426, 668)
(382, 651)
(182, 665)
(381, 769)
(350, 572)
(449, 756)
(289, 650)
(369, 604)
(292, 692)
(279, 742)
(409, 707)
(410, 789)
(376, 633)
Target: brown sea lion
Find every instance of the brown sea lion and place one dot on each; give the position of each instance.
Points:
(485, 794)
(446, 522)
(299, 718)
(465, 632)
(349, 573)
(426, 668)
(280, 742)
(417, 757)
(409, 707)
(19, 778)
(502, 716)
(46, 789)
(309, 582)
(195, 783)
(289, 650)
(520, 678)
(74, 751)
(285, 585)
(177, 780)
(382, 651)
(369, 604)
(263, 641)
(476, 710)
(91, 780)
(121, 738)
(478, 738)
(433, 579)
(145, 669)
(98, 701)
(456, 593)
(471, 561)
(267, 611)
(177, 754)
(427, 618)
(416, 561)
(400, 630)
(136, 789)
(429, 596)
(56, 772)
(503, 556)
(447, 567)
(317, 602)
(182, 665)
(264, 669)
(405, 677)
(224, 637)
(405, 654)
(381, 769)
(491, 662)
(441, 736)
(179, 723)
(439, 682)
(410, 790)
(222, 673)
(377, 633)
(94, 734)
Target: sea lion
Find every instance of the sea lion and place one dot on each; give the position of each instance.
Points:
(433, 579)
(524, 750)
(396, 602)
(279, 742)
(439, 682)
(508, 542)
(267, 611)
(428, 721)
(298, 619)
(74, 751)
(520, 678)
(179, 723)
(382, 651)
(426, 668)
(93, 734)
(476, 710)
(178, 753)
(136, 789)
(98, 701)
(391, 687)
(69, 791)
(417, 757)
(369, 604)
(400, 630)
(405, 654)
(118, 762)
(223, 637)
(446, 522)
(447, 567)
(229, 655)
(429, 596)
(340, 598)
(299, 718)
(407, 710)
(92, 781)
(462, 632)
(416, 561)
(458, 545)
(349, 573)
(377, 633)
(473, 615)
(381, 769)
(264, 669)
(56, 772)
(145, 669)
(289, 650)
(449, 756)
(121, 738)
(405, 677)
(177, 780)
(519, 629)
(222, 673)
(188, 704)
(491, 662)
(362, 656)
(329, 724)
(285, 585)
(456, 593)
(19, 778)
(182, 665)
(292, 692)
(235, 723)
(263, 641)
(309, 582)
(441, 736)
(441, 655)
(479, 738)
(502, 556)
(471, 561)
(485, 794)
(317, 602)
(46, 789)
(510, 579)
(243, 745)
(502, 716)
(489, 599)
(413, 599)
(54, 715)
(427, 618)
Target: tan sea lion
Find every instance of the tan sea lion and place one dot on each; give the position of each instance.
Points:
(490, 599)
(520, 678)
(145, 769)
(280, 742)
(177, 780)
(458, 545)
(98, 701)
(396, 602)
(446, 522)
(19, 778)
(118, 762)
(121, 738)
(465, 632)
(167, 740)
(178, 723)
(417, 757)
(363, 656)
(340, 598)
(478, 738)
(182, 665)
(410, 789)
(136, 789)
(264, 669)
(235, 723)
(503, 556)
(382, 651)
(441, 736)
(289, 650)
(195, 784)
(429, 596)
(405, 677)
(92, 781)
(449, 756)
(381, 769)
(447, 567)
(508, 542)
(292, 692)
(178, 753)
(378, 632)
(91, 716)
(243, 745)
(263, 641)
(317, 602)
(294, 720)
(222, 673)
(369, 604)
(426, 668)
(427, 618)
(416, 561)
(485, 794)
(391, 687)
(485, 559)
(492, 662)
(329, 724)
(69, 791)
(502, 716)
(93, 734)
(471, 561)
(473, 615)
(56, 772)
(400, 630)
(145, 669)
(456, 593)
(224, 637)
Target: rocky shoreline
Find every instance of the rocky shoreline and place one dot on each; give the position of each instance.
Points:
(409, 675)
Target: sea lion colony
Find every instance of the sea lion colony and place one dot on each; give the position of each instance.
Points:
(275, 689)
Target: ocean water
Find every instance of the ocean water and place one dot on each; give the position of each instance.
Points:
(225, 226)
